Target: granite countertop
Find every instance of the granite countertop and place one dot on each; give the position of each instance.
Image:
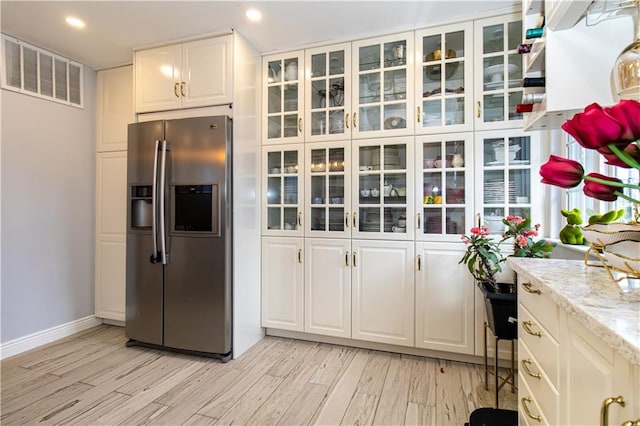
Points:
(609, 309)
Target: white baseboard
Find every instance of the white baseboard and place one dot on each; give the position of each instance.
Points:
(23, 344)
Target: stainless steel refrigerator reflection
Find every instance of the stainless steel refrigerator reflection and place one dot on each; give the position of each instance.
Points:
(179, 242)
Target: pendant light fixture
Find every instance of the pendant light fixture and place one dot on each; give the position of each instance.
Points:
(626, 70)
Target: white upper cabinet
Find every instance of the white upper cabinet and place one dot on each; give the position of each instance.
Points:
(187, 75)
(282, 98)
(328, 93)
(114, 108)
(382, 85)
(444, 79)
(498, 72)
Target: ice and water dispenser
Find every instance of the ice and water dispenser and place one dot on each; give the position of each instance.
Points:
(141, 207)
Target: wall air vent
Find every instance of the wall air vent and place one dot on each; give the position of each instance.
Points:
(34, 71)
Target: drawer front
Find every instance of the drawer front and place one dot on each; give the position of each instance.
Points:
(544, 347)
(538, 383)
(543, 308)
(528, 407)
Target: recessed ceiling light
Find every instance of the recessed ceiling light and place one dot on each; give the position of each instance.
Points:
(75, 22)
(254, 15)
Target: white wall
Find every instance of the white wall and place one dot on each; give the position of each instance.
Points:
(48, 210)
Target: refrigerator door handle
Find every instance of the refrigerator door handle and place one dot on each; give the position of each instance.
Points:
(163, 162)
(154, 207)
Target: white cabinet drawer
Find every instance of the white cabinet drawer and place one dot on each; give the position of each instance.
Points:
(542, 308)
(543, 347)
(545, 394)
(528, 408)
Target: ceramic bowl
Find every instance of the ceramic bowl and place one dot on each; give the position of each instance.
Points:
(624, 255)
(601, 234)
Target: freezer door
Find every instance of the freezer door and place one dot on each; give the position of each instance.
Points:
(144, 292)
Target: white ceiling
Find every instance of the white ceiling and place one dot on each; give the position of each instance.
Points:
(115, 28)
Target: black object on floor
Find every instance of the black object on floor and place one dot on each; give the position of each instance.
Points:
(493, 417)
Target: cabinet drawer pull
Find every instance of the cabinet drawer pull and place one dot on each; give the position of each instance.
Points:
(631, 423)
(182, 89)
(525, 366)
(527, 327)
(300, 124)
(355, 121)
(604, 410)
(526, 400)
(346, 120)
(355, 264)
(478, 110)
(346, 258)
(175, 90)
(300, 256)
(346, 220)
(528, 287)
(418, 115)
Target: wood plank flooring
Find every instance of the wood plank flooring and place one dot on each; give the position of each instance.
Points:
(93, 379)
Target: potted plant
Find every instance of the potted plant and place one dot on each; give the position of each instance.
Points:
(484, 257)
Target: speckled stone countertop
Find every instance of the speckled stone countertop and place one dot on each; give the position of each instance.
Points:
(609, 309)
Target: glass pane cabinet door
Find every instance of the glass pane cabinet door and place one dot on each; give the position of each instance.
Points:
(282, 98)
(327, 94)
(383, 86)
(499, 71)
(444, 186)
(282, 213)
(508, 171)
(382, 188)
(328, 196)
(444, 76)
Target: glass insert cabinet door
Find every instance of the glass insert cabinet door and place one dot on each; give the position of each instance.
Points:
(282, 190)
(507, 170)
(444, 76)
(282, 98)
(327, 93)
(329, 189)
(382, 182)
(444, 186)
(499, 72)
(383, 86)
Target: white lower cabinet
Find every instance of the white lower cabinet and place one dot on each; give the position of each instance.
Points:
(327, 284)
(383, 292)
(444, 299)
(282, 283)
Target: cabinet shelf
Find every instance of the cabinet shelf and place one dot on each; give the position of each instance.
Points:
(534, 61)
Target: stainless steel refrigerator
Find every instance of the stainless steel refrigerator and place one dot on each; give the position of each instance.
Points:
(179, 242)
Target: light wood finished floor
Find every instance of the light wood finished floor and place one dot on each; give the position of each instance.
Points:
(93, 379)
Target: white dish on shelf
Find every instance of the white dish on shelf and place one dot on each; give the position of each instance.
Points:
(512, 163)
(499, 68)
(493, 85)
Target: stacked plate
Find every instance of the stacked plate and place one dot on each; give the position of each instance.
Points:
(391, 158)
(494, 191)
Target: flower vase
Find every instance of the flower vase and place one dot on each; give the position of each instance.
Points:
(501, 304)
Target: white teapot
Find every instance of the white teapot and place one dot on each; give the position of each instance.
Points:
(389, 189)
(291, 71)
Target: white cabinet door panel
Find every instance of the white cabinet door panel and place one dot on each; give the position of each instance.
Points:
(157, 79)
(206, 72)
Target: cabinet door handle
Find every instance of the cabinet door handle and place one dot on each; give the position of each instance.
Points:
(300, 256)
(419, 263)
(528, 287)
(527, 327)
(478, 109)
(346, 120)
(526, 400)
(604, 410)
(419, 218)
(355, 263)
(355, 220)
(525, 366)
(300, 124)
(299, 218)
(346, 220)
(418, 115)
(346, 258)
(631, 423)
(182, 88)
(175, 90)
(355, 121)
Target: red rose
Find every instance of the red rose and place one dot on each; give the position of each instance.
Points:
(594, 128)
(627, 113)
(632, 150)
(561, 172)
(601, 191)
